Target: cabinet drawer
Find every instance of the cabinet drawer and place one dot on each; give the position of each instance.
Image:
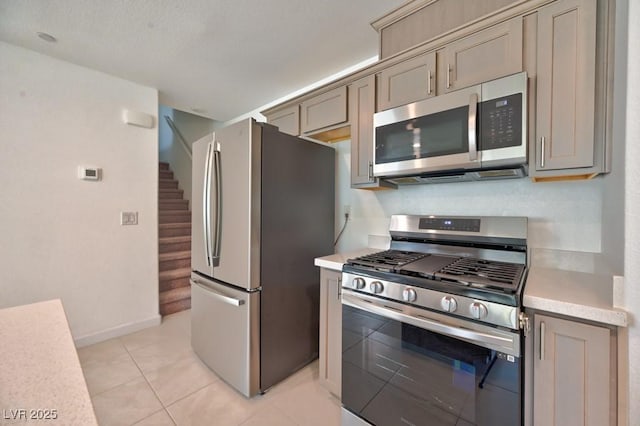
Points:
(287, 120)
(407, 82)
(327, 109)
(486, 55)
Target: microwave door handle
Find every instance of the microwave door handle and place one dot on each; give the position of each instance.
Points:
(472, 127)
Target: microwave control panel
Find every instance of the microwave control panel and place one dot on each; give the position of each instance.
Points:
(501, 122)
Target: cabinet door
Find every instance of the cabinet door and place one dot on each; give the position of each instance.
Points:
(287, 120)
(486, 55)
(330, 331)
(407, 82)
(571, 373)
(361, 109)
(327, 109)
(566, 50)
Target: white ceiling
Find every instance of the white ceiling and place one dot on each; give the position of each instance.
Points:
(222, 58)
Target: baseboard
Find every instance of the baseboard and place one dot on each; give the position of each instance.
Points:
(117, 331)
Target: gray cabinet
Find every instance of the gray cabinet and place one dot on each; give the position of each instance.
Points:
(287, 120)
(571, 373)
(330, 358)
(408, 81)
(486, 55)
(362, 94)
(324, 110)
(567, 112)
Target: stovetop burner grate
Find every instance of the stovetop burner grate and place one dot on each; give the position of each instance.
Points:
(481, 272)
(387, 260)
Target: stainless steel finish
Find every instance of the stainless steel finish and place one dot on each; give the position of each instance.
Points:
(478, 334)
(358, 283)
(542, 338)
(471, 128)
(206, 204)
(218, 215)
(213, 293)
(478, 310)
(486, 159)
(542, 153)
(429, 78)
(516, 83)
(448, 304)
(200, 255)
(448, 76)
(428, 106)
(409, 295)
(370, 170)
(498, 314)
(376, 287)
(232, 351)
(509, 228)
(350, 419)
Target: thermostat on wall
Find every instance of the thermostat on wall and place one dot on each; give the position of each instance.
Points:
(89, 173)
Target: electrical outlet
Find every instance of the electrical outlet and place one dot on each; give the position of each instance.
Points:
(128, 218)
(347, 209)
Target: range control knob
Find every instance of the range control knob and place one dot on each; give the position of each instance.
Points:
(449, 304)
(409, 295)
(358, 283)
(478, 310)
(376, 287)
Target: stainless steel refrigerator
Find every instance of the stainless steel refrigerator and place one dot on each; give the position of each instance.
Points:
(263, 209)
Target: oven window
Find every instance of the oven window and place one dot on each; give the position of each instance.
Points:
(395, 373)
(433, 135)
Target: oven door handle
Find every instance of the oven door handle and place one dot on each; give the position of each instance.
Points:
(508, 343)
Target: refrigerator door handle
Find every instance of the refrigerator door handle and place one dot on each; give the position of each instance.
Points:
(206, 205)
(218, 210)
(216, 295)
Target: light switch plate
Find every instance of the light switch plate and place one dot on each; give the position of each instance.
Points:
(128, 218)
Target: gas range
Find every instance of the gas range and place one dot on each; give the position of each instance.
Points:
(469, 267)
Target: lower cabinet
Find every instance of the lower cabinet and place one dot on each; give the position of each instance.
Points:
(330, 331)
(571, 373)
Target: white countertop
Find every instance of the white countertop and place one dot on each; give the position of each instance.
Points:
(574, 284)
(40, 375)
(335, 261)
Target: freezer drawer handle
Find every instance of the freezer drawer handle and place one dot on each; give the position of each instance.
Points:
(219, 296)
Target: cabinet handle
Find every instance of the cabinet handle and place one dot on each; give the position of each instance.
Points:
(429, 77)
(542, 338)
(370, 171)
(542, 146)
(339, 288)
(448, 76)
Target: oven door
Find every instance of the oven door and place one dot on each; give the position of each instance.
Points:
(405, 365)
(436, 134)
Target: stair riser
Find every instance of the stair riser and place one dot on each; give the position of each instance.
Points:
(175, 218)
(175, 232)
(174, 204)
(163, 165)
(168, 265)
(172, 308)
(170, 195)
(166, 285)
(165, 174)
(169, 185)
(169, 247)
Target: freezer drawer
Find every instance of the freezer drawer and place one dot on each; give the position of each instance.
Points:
(225, 332)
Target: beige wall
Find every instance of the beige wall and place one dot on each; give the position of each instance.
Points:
(61, 236)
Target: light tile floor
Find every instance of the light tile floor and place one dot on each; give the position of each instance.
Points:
(152, 377)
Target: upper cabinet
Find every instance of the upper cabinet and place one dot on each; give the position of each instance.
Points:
(483, 56)
(286, 119)
(408, 81)
(567, 110)
(325, 110)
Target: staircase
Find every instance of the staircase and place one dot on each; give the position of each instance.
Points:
(174, 233)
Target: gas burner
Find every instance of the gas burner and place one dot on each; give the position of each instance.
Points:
(386, 261)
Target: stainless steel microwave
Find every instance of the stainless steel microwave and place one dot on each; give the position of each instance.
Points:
(475, 133)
